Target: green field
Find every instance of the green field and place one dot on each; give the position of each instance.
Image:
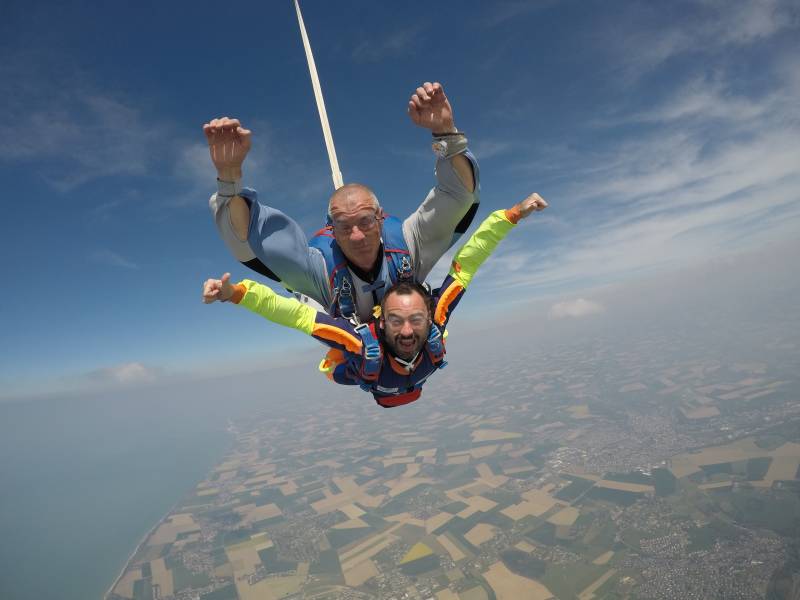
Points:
(227, 592)
(273, 563)
(523, 563)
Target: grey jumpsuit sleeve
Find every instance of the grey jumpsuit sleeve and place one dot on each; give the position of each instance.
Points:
(443, 216)
(275, 247)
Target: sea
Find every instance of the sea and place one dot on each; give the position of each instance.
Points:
(83, 479)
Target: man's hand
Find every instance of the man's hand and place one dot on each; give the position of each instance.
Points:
(217, 289)
(229, 144)
(533, 203)
(429, 108)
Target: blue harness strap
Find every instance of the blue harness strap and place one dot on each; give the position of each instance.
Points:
(435, 347)
(371, 354)
(396, 254)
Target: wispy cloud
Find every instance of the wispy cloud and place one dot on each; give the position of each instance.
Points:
(388, 44)
(73, 130)
(502, 12)
(575, 309)
(706, 27)
(709, 169)
(110, 258)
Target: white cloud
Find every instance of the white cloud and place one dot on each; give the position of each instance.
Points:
(126, 373)
(575, 309)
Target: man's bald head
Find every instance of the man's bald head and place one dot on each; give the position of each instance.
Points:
(356, 217)
(351, 192)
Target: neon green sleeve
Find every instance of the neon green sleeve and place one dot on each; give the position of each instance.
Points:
(284, 311)
(479, 246)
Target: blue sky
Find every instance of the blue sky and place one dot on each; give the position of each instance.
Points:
(664, 135)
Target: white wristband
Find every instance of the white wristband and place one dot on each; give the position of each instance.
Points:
(228, 189)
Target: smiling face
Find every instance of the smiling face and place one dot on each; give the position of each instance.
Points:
(356, 224)
(406, 322)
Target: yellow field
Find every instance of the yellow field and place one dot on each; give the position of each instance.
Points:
(169, 530)
(402, 460)
(351, 511)
(491, 435)
(476, 593)
(351, 524)
(412, 469)
(480, 534)
(446, 595)
(288, 488)
(518, 470)
(272, 588)
(252, 513)
(360, 573)
(565, 517)
(537, 502)
(488, 477)
(398, 486)
(785, 459)
(124, 586)
(782, 467)
(418, 550)
(580, 411)
(162, 576)
(368, 548)
(483, 451)
(716, 486)
(476, 504)
(701, 412)
(588, 593)
(627, 487)
(525, 546)
(603, 558)
(510, 586)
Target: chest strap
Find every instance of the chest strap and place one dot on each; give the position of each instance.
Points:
(371, 354)
(435, 347)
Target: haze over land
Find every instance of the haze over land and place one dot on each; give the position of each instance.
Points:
(619, 418)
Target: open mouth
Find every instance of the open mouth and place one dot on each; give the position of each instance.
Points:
(406, 344)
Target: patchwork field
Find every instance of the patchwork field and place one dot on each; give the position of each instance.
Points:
(510, 586)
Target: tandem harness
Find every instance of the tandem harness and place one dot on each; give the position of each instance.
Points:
(395, 253)
(372, 363)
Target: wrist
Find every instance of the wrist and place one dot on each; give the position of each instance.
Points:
(229, 173)
(227, 188)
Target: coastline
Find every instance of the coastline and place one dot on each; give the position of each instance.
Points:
(232, 433)
(138, 547)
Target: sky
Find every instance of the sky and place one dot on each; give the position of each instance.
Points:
(665, 136)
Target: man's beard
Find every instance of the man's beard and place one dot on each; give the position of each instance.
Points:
(406, 347)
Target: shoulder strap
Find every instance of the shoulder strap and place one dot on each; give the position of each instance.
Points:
(435, 347)
(339, 280)
(371, 354)
(395, 250)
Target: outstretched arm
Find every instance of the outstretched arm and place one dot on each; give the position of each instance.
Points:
(477, 249)
(228, 144)
(258, 298)
(429, 108)
(262, 238)
(450, 206)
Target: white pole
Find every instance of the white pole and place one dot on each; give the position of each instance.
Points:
(336, 174)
